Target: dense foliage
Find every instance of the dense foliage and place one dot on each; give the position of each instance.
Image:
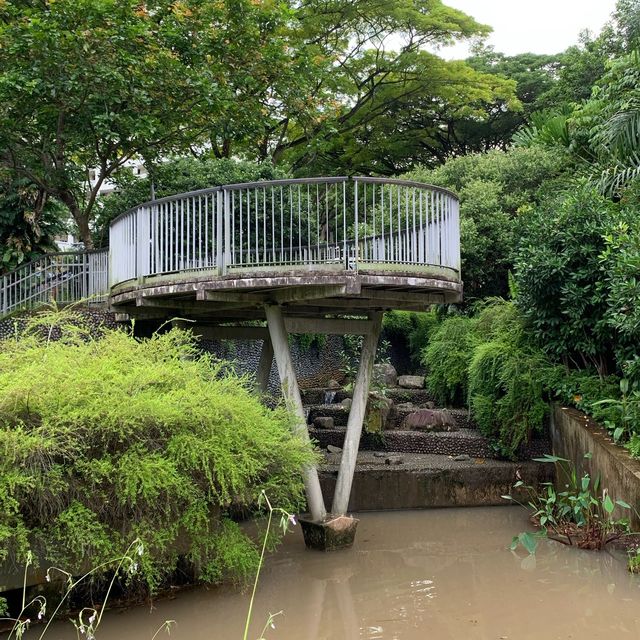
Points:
(493, 188)
(97, 434)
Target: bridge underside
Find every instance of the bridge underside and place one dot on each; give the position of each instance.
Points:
(305, 293)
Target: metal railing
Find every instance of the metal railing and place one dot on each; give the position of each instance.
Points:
(351, 223)
(61, 277)
(344, 223)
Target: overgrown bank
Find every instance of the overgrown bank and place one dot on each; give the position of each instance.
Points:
(97, 434)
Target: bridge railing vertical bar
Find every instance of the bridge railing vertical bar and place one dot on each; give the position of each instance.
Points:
(227, 259)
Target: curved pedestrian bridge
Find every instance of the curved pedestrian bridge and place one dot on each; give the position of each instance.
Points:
(312, 246)
(305, 255)
(316, 245)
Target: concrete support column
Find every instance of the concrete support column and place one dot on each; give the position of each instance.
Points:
(264, 366)
(356, 418)
(280, 342)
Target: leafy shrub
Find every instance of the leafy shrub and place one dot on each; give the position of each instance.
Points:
(105, 440)
(447, 359)
(560, 277)
(621, 268)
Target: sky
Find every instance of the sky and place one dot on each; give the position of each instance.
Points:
(536, 26)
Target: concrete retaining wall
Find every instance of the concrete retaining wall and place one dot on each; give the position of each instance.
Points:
(573, 434)
(468, 485)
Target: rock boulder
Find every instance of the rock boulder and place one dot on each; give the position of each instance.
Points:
(384, 375)
(429, 420)
(323, 422)
(411, 382)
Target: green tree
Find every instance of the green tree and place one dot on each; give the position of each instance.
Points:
(535, 76)
(92, 83)
(365, 107)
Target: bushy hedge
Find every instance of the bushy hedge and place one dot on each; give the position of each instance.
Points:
(104, 440)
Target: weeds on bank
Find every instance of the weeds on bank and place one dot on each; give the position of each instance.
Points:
(581, 514)
(88, 619)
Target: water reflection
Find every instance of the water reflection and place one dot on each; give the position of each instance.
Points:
(436, 575)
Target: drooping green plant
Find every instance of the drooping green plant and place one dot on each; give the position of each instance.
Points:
(96, 433)
(506, 379)
(447, 358)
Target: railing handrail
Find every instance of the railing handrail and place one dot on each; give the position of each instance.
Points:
(404, 183)
(282, 183)
(53, 254)
(157, 201)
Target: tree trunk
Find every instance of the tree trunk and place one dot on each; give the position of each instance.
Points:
(81, 218)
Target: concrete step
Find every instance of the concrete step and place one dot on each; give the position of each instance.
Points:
(422, 481)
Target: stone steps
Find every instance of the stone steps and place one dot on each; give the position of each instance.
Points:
(458, 436)
(449, 443)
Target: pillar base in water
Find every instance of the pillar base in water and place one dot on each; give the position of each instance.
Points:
(334, 533)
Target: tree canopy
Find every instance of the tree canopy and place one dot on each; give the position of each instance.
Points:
(90, 84)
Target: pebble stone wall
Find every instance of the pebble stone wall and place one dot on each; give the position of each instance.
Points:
(315, 366)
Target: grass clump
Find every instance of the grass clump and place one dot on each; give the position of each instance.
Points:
(106, 440)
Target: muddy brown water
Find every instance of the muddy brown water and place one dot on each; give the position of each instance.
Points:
(442, 574)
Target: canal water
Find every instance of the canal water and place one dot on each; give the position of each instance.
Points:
(443, 574)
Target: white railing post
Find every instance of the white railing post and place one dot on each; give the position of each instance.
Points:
(219, 220)
(355, 232)
(4, 307)
(84, 275)
(227, 230)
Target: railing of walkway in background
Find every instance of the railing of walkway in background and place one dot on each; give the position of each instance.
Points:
(345, 222)
(63, 277)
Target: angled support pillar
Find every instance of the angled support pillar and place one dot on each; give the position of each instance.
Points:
(356, 418)
(291, 392)
(264, 366)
